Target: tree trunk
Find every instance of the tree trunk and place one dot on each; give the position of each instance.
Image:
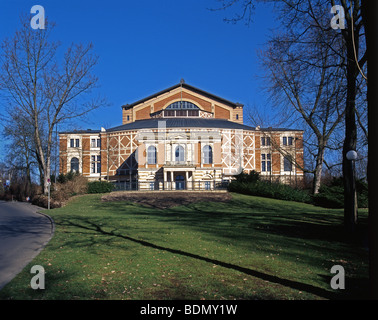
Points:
(318, 170)
(46, 180)
(369, 13)
(350, 142)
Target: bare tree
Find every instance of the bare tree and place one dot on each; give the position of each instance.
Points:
(304, 76)
(20, 143)
(44, 92)
(353, 58)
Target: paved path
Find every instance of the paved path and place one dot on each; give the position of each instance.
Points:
(23, 234)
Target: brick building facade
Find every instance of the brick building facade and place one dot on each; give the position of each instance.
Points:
(182, 138)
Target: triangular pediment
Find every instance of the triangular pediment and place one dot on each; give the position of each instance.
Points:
(207, 105)
(183, 87)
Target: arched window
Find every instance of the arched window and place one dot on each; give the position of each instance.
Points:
(207, 155)
(75, 165)
(183, 105)
(179, 154)
(151, 155)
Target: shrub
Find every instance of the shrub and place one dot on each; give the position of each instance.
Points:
(253, 176)
(332, 196)
(329, 196)
(73, 186)
(42, 200)
(19, 190)
(69, 176)
(271, 190)
(100, 187)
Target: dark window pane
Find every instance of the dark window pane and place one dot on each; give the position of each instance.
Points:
(75, 164)
(207, 155)
(183, 105)
(288, 166)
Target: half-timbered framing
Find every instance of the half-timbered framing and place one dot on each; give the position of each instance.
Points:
(182, 138)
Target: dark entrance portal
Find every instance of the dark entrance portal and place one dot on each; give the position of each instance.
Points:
(180, 182)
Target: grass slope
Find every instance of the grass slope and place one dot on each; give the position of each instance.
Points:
(247, 248)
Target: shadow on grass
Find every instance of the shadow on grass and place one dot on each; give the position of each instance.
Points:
(263, 276)
(238, 220)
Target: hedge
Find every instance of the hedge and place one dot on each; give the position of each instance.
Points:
(100, 187)
(271, 190)
(331, 196)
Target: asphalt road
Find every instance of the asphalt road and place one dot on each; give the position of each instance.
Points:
(23, 234)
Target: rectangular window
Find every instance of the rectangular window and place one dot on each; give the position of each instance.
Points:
(265, 162)
(287, 141)
(93, 164)
(151, 155)
(181, 113)
(288, 165)
(77, 143)
(72, 143)
(95, 143)
(152, 185)
(265, 141)
(193, 113)
(207, 185)
(96, 164)
(169, 113)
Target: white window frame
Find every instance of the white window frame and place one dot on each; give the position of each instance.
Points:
(78, 164)
(95, 164)
(266, 158)
(154, 155)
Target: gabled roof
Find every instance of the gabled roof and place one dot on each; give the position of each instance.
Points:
(186, 86)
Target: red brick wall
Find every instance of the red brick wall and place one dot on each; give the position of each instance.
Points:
(221, 113)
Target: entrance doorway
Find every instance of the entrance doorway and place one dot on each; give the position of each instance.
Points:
(180, 182)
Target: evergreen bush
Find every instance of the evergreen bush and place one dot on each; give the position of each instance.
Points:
(329, 196)
(100, 187)
(271, 190)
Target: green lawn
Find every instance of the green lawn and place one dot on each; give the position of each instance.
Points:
(248, 248)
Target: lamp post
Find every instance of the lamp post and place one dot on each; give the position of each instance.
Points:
(351, 219)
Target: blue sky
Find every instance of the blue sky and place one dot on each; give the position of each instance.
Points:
(147, 46)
